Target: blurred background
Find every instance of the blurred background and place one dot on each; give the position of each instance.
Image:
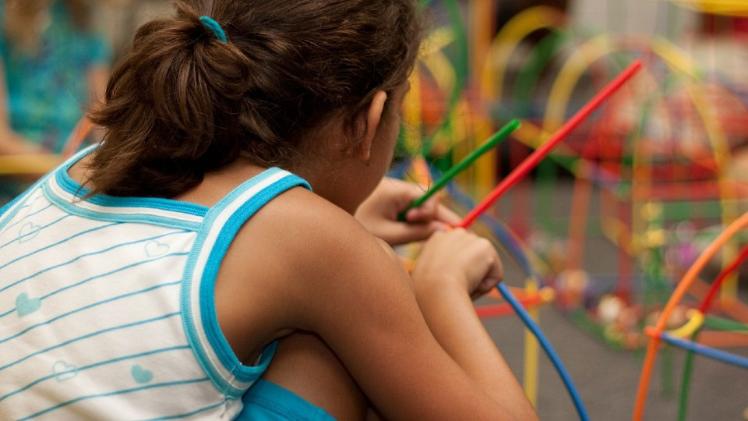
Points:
(595, 240)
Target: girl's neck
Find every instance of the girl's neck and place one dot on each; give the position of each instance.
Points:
(327, 181)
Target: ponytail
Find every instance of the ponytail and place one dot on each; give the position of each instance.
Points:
(183, 102)
(170, 107)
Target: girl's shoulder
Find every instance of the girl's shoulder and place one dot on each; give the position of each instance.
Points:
(302, 228)
(298, 239)
(285, 261)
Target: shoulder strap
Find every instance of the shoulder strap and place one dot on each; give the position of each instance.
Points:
(220, 227)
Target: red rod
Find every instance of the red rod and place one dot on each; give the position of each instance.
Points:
(533, 160)
(707, 301)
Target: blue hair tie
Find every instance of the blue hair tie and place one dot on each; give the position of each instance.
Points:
(210, 24)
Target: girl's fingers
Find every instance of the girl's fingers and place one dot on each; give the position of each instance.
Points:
(494, 270)
(424, 213)
(418, 215)
(447, 216)
(399, 233)
(432, 210)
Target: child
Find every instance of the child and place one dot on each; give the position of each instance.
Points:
(154, 276)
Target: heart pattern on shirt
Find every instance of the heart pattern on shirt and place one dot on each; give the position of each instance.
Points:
(156, 249)
(26, 305)
(140, 374)
(28, 232)
(64, 371)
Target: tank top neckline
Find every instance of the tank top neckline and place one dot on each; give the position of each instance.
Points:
(67, 192)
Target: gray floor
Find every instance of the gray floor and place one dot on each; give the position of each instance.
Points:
(607, 378)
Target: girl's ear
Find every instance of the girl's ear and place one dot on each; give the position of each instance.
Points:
(374, 116)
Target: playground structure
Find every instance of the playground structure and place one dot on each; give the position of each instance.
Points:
(663, 160)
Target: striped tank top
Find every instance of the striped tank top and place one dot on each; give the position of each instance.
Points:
(106, 304)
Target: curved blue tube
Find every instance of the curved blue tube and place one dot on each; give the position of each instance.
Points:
(519, 255)
(547, 347)
(706, 351)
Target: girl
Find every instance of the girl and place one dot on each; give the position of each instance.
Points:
(154, 276)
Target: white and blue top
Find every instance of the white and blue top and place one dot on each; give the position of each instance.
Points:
(106, 304)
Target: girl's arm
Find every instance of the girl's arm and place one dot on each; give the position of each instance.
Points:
(451, 315)
(422, 356)
(332, 278)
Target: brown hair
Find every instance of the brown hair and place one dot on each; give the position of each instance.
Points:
(182, 103)
(23, 20)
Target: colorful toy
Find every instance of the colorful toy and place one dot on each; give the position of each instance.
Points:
(658, 162)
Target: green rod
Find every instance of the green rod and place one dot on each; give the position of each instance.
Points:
(490, 144)
(718, 323)
(685, 385)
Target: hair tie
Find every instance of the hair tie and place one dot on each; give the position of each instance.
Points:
(210, 24)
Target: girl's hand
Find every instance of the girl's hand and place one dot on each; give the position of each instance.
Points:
(379, 213)
(457, 259)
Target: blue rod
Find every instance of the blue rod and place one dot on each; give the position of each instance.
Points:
(547, 347)
(706, 351)
(520, 256)
(522, 259)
